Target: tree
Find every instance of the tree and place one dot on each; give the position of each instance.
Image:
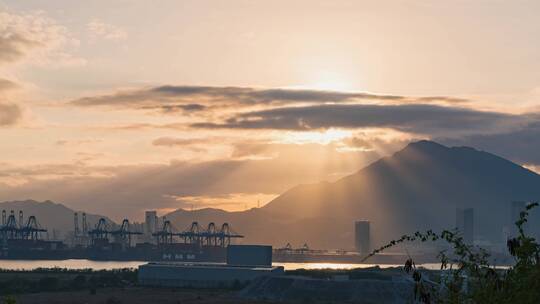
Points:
(467, 275)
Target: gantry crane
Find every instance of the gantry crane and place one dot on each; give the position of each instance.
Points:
(124, 233)
(100, 234)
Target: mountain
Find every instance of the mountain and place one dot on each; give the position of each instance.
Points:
(56, 218)
(419, 187)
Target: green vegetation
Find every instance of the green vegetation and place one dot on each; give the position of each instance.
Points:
(58, 279)
(9, 300)
(467, 275)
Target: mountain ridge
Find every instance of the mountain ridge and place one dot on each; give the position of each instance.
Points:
(418, 187)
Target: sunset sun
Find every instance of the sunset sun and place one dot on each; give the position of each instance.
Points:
(316, 137)
(330, 81)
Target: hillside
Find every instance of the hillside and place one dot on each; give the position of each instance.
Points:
(418, 187)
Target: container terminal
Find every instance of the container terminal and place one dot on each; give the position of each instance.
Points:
(24, 238)
(158, 240)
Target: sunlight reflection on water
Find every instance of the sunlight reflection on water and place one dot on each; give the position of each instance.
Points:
(292, 266)
(69, 264)
(107, 265)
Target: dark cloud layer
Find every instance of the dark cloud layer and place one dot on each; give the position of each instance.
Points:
(172, 94)
(9, 114)
(6, 85)
(438, 117)
(522, 145)
(192, 107)
(195, 98)
(416, 118)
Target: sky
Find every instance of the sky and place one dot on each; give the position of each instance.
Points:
(121, 106)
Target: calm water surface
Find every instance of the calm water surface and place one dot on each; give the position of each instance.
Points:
(108, 265)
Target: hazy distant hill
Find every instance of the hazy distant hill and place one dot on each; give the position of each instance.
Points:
(50, 215)
(418, 187)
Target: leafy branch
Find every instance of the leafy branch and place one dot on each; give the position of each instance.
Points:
(474, 280)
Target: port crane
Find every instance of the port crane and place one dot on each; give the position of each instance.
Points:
(166, 234)
(13, 229)
(195, 234)
(100, 234)
(210, 236)
(32, 229)
(124, 233)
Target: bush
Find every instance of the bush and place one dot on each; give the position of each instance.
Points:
(9, 300)
(48, 284)
(78, 282)
(113, 300)
(467, 274)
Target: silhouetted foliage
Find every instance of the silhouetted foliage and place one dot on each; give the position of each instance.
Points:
(56, 279)
(48, 283)
(113, 300)
(9, 300)
(78, 282)
(468, 277)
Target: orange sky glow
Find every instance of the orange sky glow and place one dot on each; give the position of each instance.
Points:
(212, 104)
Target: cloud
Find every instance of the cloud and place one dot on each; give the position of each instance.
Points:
(244, 108)
(139, 127)
(411, 118)
(192, 144)
(7, 85)
(267, 96)
(77, 142)
(99, 29)
(15, 176)
(128, 190)
(14, 46)
(35, 37)
(363, 142)
(10, 114)
(253, 149)
(187, 108)
(197, 98)
(521, 145)
(533, 168)
(171, 141)
(234, 200)
(447, 99)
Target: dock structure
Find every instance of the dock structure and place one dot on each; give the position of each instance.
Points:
(257, 262)
(24, 238)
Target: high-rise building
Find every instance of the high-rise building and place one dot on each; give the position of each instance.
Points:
(361, 236)
(465, 224)
(150, 223)
(516, 207)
